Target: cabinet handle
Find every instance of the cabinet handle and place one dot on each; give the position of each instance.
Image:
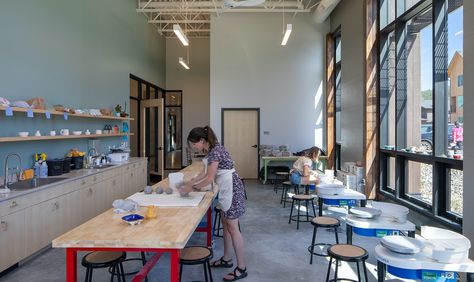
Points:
(90, 190)
(128, 168)
(83, 182)
(56, 205)
(13, 204)
(95, 178)
(114, 182)
(4, 225)
(131, 174)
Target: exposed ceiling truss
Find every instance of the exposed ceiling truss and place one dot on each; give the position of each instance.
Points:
(194, 16)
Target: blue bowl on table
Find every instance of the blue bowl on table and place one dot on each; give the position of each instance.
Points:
(133, 219)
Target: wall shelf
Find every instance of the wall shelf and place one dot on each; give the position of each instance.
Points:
(58, 137)
(58, 113)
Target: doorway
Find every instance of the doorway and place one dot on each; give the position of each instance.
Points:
(173, 127)
(151, 146)
(240, 136)
(147, 126)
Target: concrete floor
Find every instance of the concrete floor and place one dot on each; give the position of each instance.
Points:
(274, 249)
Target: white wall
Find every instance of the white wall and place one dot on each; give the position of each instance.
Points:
(468, 221)
(194, 82)
(250, 69)
(349, 16)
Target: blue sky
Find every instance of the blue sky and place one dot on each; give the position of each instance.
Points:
(455, 40)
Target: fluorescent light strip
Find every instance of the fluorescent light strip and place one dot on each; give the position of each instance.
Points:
(179, 32)
(183, 63)
(289, 27)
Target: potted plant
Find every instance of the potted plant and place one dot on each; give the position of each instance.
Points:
(119, 112)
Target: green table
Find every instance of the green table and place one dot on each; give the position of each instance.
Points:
(266, 160)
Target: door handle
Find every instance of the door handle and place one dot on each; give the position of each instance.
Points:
(254, 146)
(160, 148)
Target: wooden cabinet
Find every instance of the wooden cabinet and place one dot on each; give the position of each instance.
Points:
(30, 222)
(12, 239)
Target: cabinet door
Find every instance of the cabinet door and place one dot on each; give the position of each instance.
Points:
(12, 239)
(46, 221)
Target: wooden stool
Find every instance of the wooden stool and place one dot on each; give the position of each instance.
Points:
(102, 259)
(196, 255)
(348, 253)
(280, 177)
(216, 228)
(298, 199)
(325, 222)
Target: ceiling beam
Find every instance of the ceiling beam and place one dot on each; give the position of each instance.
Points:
(214, 4)
(179, 21)
(252, 10)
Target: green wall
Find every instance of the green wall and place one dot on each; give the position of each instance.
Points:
(75, 53)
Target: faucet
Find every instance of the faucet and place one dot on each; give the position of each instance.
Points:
(92, 155)
(5, 186)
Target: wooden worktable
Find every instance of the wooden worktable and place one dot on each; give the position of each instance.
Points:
(170, 230)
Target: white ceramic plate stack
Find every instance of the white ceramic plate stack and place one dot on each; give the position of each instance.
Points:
(402, 244)
(364, 212)
(330, 189)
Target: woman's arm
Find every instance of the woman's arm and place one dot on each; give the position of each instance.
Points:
(205, 180)
(306, 170)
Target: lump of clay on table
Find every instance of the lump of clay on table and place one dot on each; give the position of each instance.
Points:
(159, 190)
(148, 190)
(169, 191)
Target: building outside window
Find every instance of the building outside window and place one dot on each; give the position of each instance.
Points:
(421, 106)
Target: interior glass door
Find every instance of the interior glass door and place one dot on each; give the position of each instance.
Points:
(152, 135)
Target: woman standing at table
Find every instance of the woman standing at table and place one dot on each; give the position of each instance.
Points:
(302, 167)
(231, 199)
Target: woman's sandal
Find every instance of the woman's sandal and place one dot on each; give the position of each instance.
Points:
(243, 274)
(222, 263)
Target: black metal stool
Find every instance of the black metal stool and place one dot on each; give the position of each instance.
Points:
(142, 258)
(348, 253)
(280, 177)
(325, 222)
(102, 259)
(287, 185)
(298, 199)
(196, 255)
(216, 228)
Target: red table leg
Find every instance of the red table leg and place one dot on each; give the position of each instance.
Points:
(71, 265)
(209, 227)
(174, 265)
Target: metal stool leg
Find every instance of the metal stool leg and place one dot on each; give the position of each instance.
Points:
(114, 270)
(180, 271)
(365, 271)
(209, 269)
(298, 218)
(312, 244)
(307, 210)
(291, 212)
(314, 210)
(205, 271)
(337, 236)
(335, 272)
(358, 271)
(329, 270)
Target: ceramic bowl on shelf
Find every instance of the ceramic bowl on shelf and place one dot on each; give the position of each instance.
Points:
(133, 219)
(77, 132)
(23, 133)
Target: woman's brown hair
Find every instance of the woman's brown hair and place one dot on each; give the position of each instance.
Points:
(206, 133)
(313, 153)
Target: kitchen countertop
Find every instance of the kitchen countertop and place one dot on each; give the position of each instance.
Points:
(71, 176)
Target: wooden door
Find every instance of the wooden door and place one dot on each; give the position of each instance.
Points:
(240, 136)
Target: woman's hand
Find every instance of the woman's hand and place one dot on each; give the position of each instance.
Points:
(185, 188)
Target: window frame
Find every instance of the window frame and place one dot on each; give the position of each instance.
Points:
(439, 209)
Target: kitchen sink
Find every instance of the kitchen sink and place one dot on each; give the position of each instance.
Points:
(32, 183)
(102, 166)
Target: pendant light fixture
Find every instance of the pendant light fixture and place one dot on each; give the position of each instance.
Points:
(183, 63)
(289, 28)
(180, 34)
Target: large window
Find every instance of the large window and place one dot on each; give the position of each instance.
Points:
(421, 112)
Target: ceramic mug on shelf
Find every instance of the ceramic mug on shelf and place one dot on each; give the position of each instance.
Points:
(52, 133)
(98, 131)
(88, 132)
(37, 133)
(64, 132)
